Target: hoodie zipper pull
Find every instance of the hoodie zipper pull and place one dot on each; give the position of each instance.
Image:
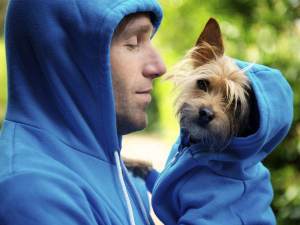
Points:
(177, 156)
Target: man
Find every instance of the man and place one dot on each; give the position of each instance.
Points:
(80, 76)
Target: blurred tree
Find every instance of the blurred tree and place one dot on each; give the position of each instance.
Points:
(3, 4)
(3, 91)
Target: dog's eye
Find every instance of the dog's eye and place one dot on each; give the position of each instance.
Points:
(203, 85)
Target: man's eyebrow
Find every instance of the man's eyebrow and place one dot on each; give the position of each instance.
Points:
(135, 30)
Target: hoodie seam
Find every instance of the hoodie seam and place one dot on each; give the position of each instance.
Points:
(55, 137)
(11, 165)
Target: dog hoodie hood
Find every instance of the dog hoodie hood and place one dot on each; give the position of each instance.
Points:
(231, 186)
(59, 140)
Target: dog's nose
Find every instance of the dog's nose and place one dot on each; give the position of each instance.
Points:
(205, 116)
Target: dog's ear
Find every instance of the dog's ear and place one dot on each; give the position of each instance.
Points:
(212, 35)
(209, 44)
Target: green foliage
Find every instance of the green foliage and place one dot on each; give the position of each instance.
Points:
(3, 4)
(3, 86)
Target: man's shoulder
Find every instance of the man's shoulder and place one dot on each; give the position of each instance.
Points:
(28, 188)
(30, 179)
(19, 159)
(36, 197)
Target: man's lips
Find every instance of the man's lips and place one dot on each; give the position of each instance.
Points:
(145, 95)
(144, 91)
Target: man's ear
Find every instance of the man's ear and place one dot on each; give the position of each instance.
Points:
(209, 44)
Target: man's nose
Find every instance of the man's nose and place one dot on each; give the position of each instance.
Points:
(155, 66)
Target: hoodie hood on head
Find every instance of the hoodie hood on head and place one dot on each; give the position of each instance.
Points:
(58, 59)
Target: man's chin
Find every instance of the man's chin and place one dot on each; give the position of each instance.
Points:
(132, 125)
(140, 124)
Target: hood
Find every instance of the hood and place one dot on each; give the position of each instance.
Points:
(274, 102)
(272, 117)
(59, 72)
(274, 106)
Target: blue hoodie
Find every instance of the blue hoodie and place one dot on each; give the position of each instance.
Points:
(59, 146)
(231, 187)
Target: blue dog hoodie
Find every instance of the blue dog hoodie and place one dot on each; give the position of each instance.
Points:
(59, 147)
(230, 187)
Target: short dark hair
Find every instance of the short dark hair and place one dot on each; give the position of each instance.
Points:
(126, 20)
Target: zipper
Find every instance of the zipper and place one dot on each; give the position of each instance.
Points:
(176, 157)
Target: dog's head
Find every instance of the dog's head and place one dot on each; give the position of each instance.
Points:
(213, 100)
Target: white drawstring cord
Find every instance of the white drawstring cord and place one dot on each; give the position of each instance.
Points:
(137, 195)
(124, 189)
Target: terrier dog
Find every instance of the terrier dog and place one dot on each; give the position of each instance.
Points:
(215, 96)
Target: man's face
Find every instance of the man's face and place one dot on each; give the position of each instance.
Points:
(135, 63)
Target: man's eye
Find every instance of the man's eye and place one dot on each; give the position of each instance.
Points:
(203, 85)
(132, 43)
(132, 46)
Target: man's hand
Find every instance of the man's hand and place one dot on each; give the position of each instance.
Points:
(139, 168)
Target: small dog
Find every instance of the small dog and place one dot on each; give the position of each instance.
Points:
(214, 99)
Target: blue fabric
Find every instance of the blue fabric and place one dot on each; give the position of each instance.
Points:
(59, 134)
(151, 179)
(141, 188)
(231, 186)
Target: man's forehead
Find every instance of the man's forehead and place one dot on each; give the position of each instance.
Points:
(135, 24)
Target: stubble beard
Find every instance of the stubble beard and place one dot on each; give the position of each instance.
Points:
(131, 120)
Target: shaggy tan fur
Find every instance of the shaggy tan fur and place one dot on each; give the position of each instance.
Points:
(228, 83)
(225, 93)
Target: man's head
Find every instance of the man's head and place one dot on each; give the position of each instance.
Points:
(135, 63)
(70, 68)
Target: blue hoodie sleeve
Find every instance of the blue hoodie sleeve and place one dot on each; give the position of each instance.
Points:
(35, 199)
(232, 186)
